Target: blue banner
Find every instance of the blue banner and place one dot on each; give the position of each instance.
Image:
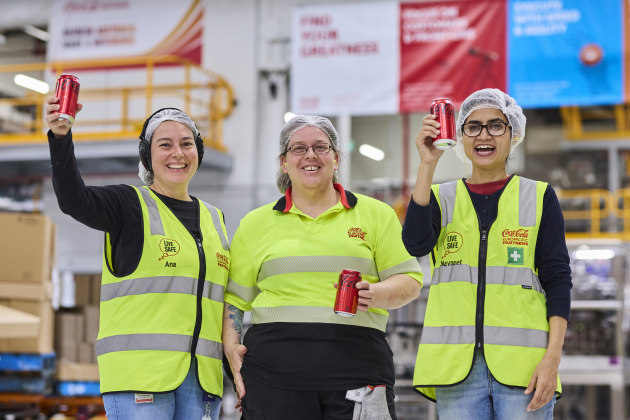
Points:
(565, 52)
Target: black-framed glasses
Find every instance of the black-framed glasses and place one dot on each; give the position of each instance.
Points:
(301, 149)
(494, 128)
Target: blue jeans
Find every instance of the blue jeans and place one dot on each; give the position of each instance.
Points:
(188, 401)
(481, 397)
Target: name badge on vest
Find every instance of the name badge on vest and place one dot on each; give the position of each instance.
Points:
(144, 398)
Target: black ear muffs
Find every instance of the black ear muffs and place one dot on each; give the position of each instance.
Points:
(144, 147)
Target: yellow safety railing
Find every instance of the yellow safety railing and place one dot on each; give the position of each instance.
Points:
(596, 123)
(596, 213)
(206, 96)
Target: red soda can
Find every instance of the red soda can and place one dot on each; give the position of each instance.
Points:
(67, 90)
(347, 293)
(443, 109)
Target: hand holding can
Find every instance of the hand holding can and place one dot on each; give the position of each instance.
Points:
(443, 109)
(347, 298)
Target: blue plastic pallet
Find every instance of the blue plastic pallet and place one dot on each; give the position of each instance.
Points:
(27, 362)
(29, 384)
(78, 388)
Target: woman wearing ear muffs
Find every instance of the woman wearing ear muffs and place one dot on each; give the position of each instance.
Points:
(301, 360)
(165, 268)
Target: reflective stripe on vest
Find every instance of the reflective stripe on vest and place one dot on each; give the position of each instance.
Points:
(523, 337)
(216, 220)
(317, 314)
(166, 284)
(508, 276)
(161, 342)
(155, 221)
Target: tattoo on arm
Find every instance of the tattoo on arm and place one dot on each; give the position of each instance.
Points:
(236, 315)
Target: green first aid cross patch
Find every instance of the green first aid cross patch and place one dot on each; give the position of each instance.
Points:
(516, 256)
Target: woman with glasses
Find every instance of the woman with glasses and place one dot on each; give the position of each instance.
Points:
(300, 360)
(500, 288)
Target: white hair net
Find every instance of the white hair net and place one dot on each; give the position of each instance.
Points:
(144, 175)
(294, 124)
(167, 114)
(491, 98)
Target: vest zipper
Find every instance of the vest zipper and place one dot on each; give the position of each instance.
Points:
(481, 287)
(200, 284)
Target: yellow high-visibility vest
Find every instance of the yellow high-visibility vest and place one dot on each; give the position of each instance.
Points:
(149, 318)
(484, 290)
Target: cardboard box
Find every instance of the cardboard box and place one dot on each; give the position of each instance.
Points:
(95, 290)
(91, 314)
(72, 371)
(26, 290)
(43, 342)
(67, 350)
(28, 247)
(69, 326)
(14, 323)
(82, 289)
(87, 353)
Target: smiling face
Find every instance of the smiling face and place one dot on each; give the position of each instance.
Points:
(488, 153)
(173, 157)
(310, 170)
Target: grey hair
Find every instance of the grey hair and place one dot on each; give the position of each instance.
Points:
(167, 114)
(294, 124)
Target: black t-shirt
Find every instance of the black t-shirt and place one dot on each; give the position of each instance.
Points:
(112, 208)
(317, 356)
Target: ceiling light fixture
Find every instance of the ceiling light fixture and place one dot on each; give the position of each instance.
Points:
(371, 152)
(37, 33)
(31, 83)
(594, 254)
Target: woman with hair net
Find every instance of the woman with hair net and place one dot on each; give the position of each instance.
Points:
(165, 267)
(500, 289)
(299, 359)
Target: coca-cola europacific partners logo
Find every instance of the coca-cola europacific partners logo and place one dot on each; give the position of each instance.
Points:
(515, 236)
(356, 232)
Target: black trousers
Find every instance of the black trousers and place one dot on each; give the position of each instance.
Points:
(262, 402)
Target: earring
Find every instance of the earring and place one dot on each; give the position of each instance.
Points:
(285, 164)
